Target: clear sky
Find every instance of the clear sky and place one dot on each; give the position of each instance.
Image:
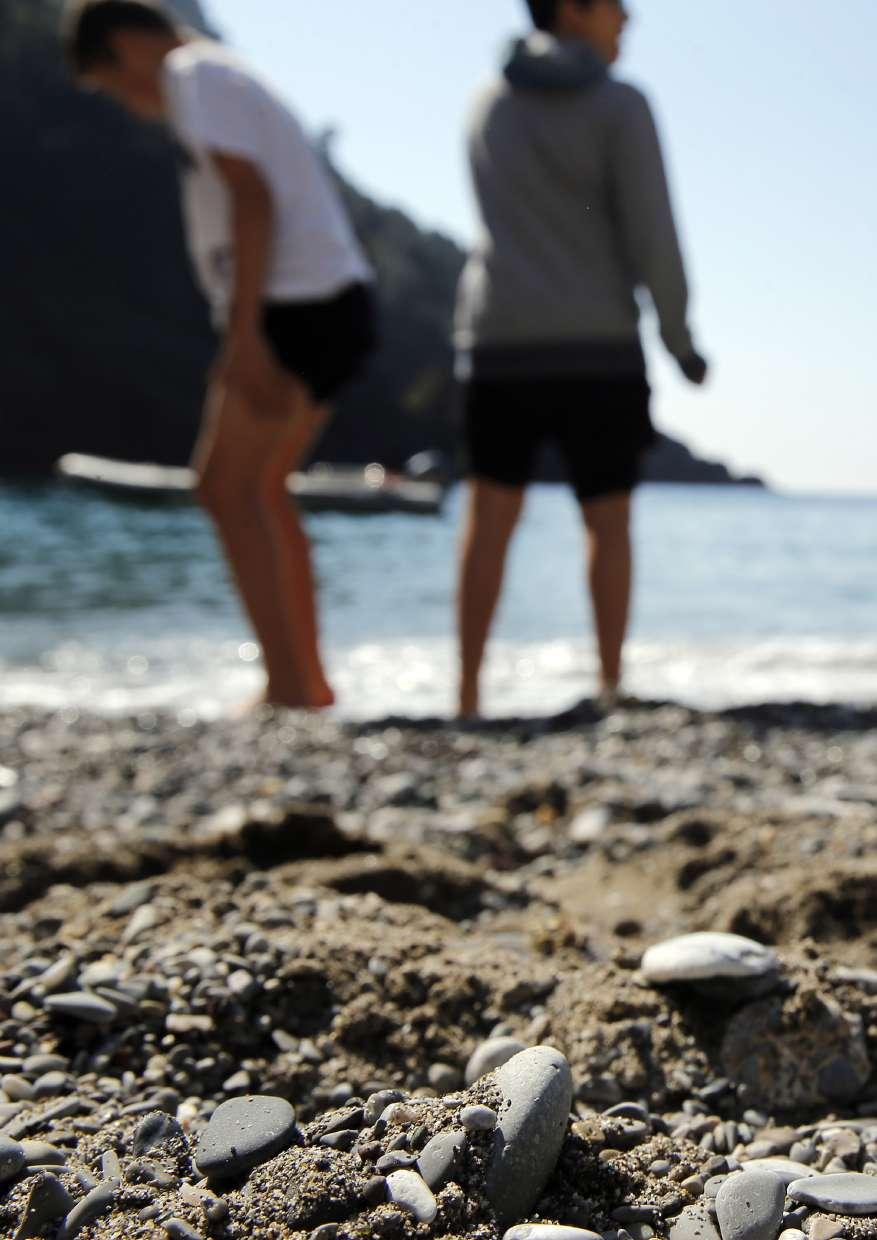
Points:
(769, 114)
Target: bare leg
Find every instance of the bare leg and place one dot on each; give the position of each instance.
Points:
(294, 570)
(494, 511)
(237, 462)
(610, 576)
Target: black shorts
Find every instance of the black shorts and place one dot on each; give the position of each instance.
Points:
(324, 343)
(601, 424)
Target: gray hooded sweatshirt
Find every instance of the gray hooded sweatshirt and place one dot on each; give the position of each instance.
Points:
(576, 217)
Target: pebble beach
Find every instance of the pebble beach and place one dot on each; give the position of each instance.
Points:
(580, 977)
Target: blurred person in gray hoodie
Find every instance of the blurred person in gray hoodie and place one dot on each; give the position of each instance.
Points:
(576, 219)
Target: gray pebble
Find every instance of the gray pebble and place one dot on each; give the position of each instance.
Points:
(478, 1119)
(53, 1084)
(378, 1103)
(154, 1131)
(536, 1087)
(694, 1223)
(41, 1154)
(12, 1159)
(705, 956)
(375, 1191)
(16, 1088)
(81, 1005)
(97, 1203)
(395, 1160)
(410, 1191)
(242, 1134)
(750, 1206)
(441, 1157)
(37, 1065)
(792, 1233)
(443, 1078)
(850, 1194)
(179, 1229)
(785, 1169)
(627, 1110)
(548, 1231)
(491, 1055)
(48, 1200)
(327, 1232)
(344, 1140)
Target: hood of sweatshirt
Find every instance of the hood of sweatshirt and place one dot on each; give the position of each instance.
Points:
(543, 62)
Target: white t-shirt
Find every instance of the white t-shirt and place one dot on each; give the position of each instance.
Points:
(217, 104)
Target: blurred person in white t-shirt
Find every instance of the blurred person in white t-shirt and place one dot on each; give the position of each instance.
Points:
(290, 293)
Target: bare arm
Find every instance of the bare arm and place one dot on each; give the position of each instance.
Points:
(247, 361)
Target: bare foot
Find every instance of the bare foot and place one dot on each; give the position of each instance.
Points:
(469, 704)
(319, 697)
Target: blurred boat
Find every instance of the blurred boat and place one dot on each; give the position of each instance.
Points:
(369, 489)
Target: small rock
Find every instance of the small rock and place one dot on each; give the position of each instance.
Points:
(478, 1119)
(750, 1206)
(95, 1204)
(375, 1191)
(441, 1157)
(81, 1005)
(491, 1055)
(179, 1229)
(41, 1154)
(48, 1200)
(703, 957)
(12, 1159)
(443, 1077)
(242, 1134)
(853, 1195)
(548, 1231)
(785, 1168)
(154, 1131)
(378, 1103)
(536, 1088)
(410, 1191)
(694, 1223)
(822, 1228)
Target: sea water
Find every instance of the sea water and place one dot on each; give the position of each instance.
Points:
(743, 595)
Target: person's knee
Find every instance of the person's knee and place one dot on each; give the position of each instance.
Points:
(608, 517)
(225, 492)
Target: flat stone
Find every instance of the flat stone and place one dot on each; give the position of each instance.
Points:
(93, 1206)
(242, 1134)
(12, 1159)
(703, 957)
(441, 1157)
(179, 1229)
(42, 1154)
(478, 1119)
(81, 1005)
(549, 1231)
(155, 1131)
(750, 1206)
(536, 1088)
(853, 1195)
(785, 1168)
(822, 1228)
(491, 1055)
(410, 1191)
(48, 1200)
(792, 1233)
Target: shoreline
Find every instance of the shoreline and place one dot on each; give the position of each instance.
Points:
(313, 911)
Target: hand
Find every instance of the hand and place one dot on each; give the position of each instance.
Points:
(247, 365)
(695, 368)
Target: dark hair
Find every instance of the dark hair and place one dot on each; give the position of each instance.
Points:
(89, 26)
(544, 12)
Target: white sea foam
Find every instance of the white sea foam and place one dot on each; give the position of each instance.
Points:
(203, 678)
